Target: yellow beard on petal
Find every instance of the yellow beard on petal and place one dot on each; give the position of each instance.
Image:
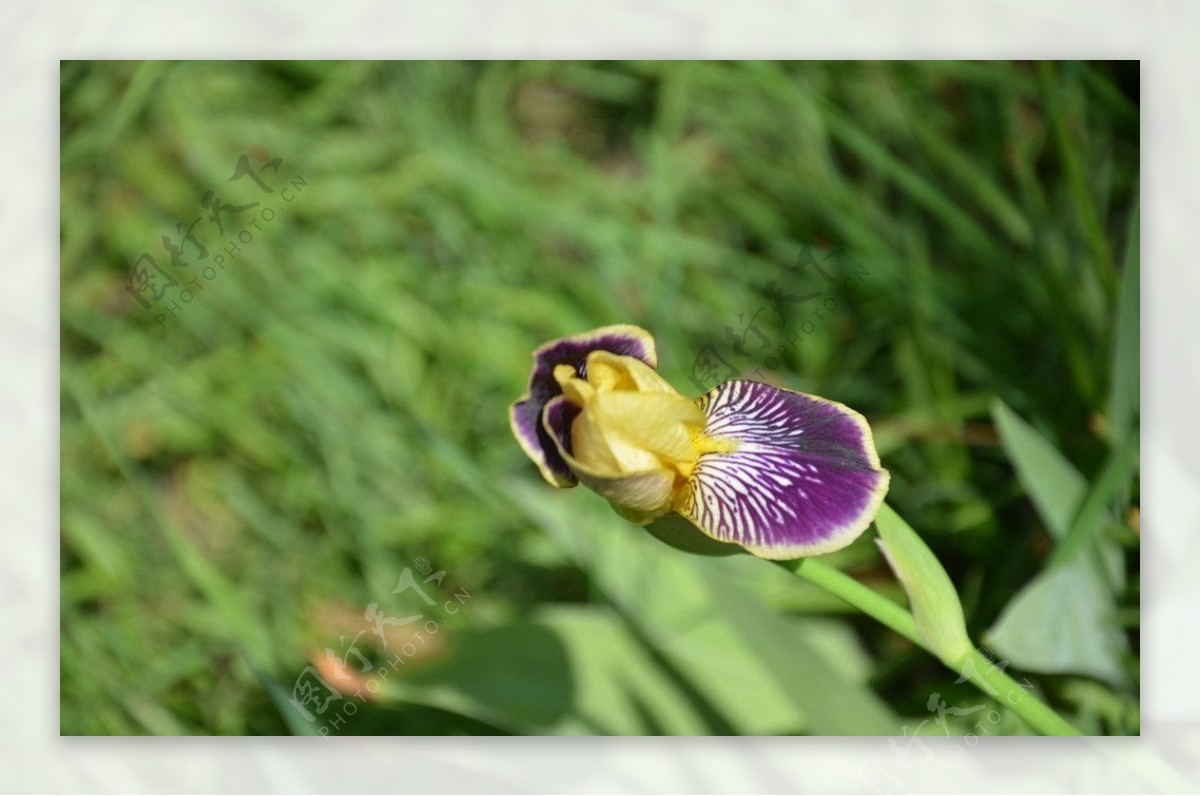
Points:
(706, 444)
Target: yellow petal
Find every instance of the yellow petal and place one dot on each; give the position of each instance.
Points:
(608, 371)
(604, 451)
(633, 440)
(655, 423)
(642, 496)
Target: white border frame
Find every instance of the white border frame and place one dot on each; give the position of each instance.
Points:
(34, 37)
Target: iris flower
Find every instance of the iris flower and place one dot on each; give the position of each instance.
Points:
(779, 473)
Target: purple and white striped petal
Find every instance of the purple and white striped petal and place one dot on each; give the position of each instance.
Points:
(804, 478)
(525, 416)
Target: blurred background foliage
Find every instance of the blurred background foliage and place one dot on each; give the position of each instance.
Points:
(249, 468)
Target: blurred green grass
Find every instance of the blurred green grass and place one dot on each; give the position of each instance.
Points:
(242, 478)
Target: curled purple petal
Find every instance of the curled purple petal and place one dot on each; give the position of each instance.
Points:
(526, 415)
(803, 477)
(557, 417)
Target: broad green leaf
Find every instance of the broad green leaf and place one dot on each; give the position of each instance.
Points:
(797, 664)
(515, 677)
(931, 596)
(570, 670)
(1060, 493)
(1053, 484)
(1074, 513)
(619, 688)
(1062, 622)
(752, 668)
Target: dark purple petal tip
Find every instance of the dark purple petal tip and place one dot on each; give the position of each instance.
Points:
(525, 416)
(803, 478)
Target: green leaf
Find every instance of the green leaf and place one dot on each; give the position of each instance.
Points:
(619, 687)
(1071, 510)
(515, 677)
(753, 669)
(569, 671)
(1053, 484)
(296, 723)
(1124, 390)
(932, 597)
(1063, 622)
(1121, 465)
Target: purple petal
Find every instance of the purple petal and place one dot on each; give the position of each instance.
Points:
(525, 419)
(525, 416)
(557, 418)
(804, 479)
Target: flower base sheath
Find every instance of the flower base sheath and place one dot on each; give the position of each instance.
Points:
(780, 473)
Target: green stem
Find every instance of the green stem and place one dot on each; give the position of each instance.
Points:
(974, 666)
(991, 679)
(859, 596)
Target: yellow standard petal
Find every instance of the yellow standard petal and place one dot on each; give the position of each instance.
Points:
(635, 440)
